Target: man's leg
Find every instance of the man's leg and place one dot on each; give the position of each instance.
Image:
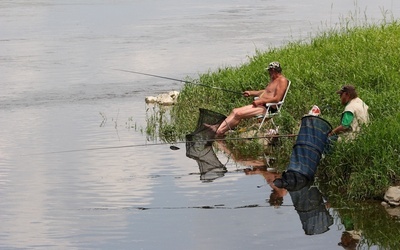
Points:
(237, 115)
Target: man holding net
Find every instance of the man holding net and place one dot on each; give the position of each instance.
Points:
(273, 93)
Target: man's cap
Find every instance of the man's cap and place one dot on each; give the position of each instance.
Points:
(347, 89)
(274, 65)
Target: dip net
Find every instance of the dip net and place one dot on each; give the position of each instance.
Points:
(199, 145)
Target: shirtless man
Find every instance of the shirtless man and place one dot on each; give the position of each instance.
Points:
(273, 92)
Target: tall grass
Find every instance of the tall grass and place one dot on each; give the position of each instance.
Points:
(365, 167)
(366, 56)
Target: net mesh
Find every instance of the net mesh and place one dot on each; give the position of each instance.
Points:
(199, 145)
(310, 144)
(310, 206)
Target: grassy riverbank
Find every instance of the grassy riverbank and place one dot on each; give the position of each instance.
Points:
(367, 57)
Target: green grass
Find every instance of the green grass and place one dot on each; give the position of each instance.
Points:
(366, 56)
(364, 168)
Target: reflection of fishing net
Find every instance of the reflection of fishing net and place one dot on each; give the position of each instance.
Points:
(199, 145)
(310, 144)
(312, 211)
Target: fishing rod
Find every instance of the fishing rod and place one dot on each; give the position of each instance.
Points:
(172, 147)
(179, 80)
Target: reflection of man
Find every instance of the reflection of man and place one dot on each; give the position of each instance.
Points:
(259, 167)
(277, 194)
(310, 206)
(350, 239)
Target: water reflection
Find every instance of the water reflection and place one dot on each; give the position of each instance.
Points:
(298, 180)
(209, 165)
(350, 239)
(311, 207)
(199, 146)
(277, 194)
(313, 210)
(306, 197)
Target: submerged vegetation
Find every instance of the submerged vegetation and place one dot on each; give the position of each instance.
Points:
(366, 56)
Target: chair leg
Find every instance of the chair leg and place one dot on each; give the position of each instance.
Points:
(273, 123)
(262, 122)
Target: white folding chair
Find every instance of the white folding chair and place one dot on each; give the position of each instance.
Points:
(269, 115)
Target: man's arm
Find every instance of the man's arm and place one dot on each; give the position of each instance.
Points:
(338, 130)
(345, 126)
(253, 93)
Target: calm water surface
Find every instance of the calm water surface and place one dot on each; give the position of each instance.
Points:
(59, 92)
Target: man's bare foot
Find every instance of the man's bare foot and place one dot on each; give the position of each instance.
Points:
(219, 135)
(214, 128)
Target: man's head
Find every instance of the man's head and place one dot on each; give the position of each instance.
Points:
(274, 66)
(347, 93)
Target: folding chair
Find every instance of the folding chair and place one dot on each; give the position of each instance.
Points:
(269, 115)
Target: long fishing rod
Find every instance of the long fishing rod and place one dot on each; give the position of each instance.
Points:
(172, 147)
(235, 139)
(179, 80)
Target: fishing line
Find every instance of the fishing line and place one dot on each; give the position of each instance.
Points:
(102, 148)
(172, 147)
(219, 206)
(179, 80)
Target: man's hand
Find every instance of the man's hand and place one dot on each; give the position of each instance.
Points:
(257, 102)
(246, 93)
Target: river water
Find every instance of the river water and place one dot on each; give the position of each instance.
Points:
(60, 92)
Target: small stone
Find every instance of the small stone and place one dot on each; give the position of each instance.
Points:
(392, 196)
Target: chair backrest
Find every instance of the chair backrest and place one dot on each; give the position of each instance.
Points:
(286, 91)
(278, 105)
